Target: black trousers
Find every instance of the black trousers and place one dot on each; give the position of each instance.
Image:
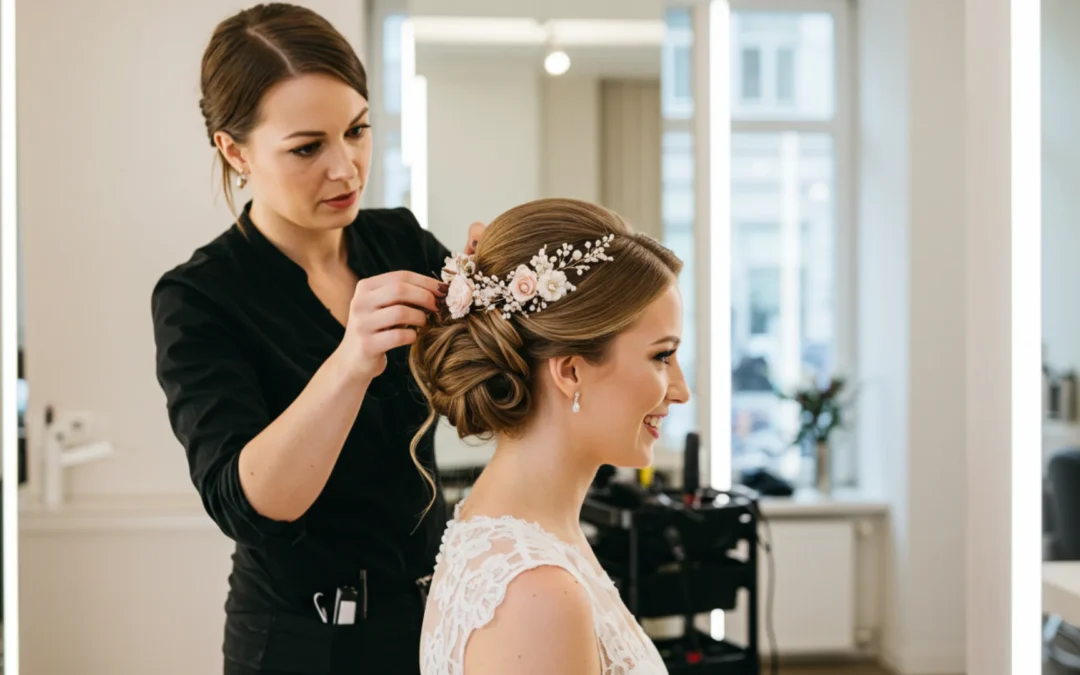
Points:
(388, 642)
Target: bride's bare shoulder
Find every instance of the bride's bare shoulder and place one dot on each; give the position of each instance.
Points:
(543, 625)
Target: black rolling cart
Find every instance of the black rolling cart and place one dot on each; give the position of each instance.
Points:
(682, 553)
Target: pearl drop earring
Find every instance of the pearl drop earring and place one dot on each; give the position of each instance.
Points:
(577, 402)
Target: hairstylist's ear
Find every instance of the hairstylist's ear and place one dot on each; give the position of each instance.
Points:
(230, 150)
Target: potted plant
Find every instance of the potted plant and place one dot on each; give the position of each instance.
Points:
(821, 412)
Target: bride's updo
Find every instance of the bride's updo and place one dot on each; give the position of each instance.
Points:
(477, 370)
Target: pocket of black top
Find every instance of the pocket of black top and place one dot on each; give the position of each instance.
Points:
(280, 641)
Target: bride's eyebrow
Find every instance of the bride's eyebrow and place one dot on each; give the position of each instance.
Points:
(670, 338)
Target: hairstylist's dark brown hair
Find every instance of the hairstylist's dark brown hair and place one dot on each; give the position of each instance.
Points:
(254, 50)
(477, 371)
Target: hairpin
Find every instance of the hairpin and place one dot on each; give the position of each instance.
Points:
(529, 288)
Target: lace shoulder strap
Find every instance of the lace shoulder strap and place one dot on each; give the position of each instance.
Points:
(479, 559)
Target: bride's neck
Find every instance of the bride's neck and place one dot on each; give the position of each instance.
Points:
(538, 477)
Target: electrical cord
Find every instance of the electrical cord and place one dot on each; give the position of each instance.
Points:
(770, 589)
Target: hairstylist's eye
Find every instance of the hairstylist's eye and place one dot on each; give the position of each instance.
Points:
(358, 131)
(305, 150)
(665, 357)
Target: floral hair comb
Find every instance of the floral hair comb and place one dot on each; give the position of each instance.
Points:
(529, 288)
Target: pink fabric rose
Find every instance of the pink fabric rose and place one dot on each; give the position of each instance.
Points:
(459, 296)
(523, 285)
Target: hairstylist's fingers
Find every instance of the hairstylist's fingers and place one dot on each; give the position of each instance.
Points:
(395, 317)
(386, 340)
(413, 279)
(476, 233)
(399, 293)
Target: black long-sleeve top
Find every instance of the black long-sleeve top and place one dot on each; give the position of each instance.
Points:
(239, 334)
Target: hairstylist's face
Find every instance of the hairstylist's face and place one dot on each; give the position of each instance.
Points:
(310, 154)
(625, 399)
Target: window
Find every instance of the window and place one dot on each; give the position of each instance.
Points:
(786, 225)
(788, 144)
(785, 75)
(677, 202)
(396, 177)
(750, 75)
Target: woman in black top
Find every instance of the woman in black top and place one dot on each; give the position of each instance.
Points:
(282, 351)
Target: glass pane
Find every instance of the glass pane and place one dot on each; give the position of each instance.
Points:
(396, 177)
(677, 203)
(750, 74)
(784, 66)
(783, 288)
(676, 58)
(785, 76)
(392, 63)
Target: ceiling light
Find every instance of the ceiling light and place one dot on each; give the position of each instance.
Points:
(557, 62)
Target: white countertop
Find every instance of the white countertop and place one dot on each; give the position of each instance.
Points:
(185, 511)
(1061, 590)
(120, 512)
(812, 504)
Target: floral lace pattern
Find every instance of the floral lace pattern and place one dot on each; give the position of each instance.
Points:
(477, 561)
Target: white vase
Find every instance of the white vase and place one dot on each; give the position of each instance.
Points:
(823, 468)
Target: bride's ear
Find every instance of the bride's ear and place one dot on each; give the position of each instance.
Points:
(565, 374)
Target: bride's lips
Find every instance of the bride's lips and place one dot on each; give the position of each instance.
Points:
(652, 424)
(342, 201)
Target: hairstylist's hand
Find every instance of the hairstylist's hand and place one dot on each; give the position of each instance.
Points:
(476, 233)
(384, 314)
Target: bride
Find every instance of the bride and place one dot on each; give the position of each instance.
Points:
(559, 339)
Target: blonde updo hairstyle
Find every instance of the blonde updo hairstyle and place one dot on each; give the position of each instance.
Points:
(478, 371)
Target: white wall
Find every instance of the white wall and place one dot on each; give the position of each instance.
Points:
(570, 137)
(471, 99)
(988, 311)
(115, 188)
(911, 321)
(1061, 176)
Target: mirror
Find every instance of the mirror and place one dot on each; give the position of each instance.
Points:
(1061, 335)
(476, 106)
(568, 104)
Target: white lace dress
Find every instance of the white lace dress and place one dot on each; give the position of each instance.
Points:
(478, 559)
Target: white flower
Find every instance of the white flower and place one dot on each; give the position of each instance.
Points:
(459, 296)
(450, 269)
(552, 285)
(523, 285)
(455, 265)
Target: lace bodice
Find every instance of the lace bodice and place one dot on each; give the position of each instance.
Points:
(477, 561)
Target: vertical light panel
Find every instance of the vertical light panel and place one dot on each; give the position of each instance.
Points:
(712, 235)
(416, 130)
(718, 151)
(9, 338)
(1026, 251)
(408, 92)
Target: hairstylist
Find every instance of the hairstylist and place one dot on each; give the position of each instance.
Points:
(281, 348)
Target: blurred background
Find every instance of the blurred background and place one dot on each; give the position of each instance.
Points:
(812, 165)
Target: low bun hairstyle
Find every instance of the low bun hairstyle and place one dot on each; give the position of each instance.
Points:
(477, 371)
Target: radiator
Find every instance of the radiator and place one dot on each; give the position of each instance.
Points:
(815, 591)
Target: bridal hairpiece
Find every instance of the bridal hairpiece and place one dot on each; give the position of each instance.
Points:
(529, 288)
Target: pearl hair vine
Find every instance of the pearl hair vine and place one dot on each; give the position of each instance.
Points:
(529, 288)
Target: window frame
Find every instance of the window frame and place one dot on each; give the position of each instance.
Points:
(841, 127)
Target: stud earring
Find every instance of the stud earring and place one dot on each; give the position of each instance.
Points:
(241, 181)
(577, 402)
